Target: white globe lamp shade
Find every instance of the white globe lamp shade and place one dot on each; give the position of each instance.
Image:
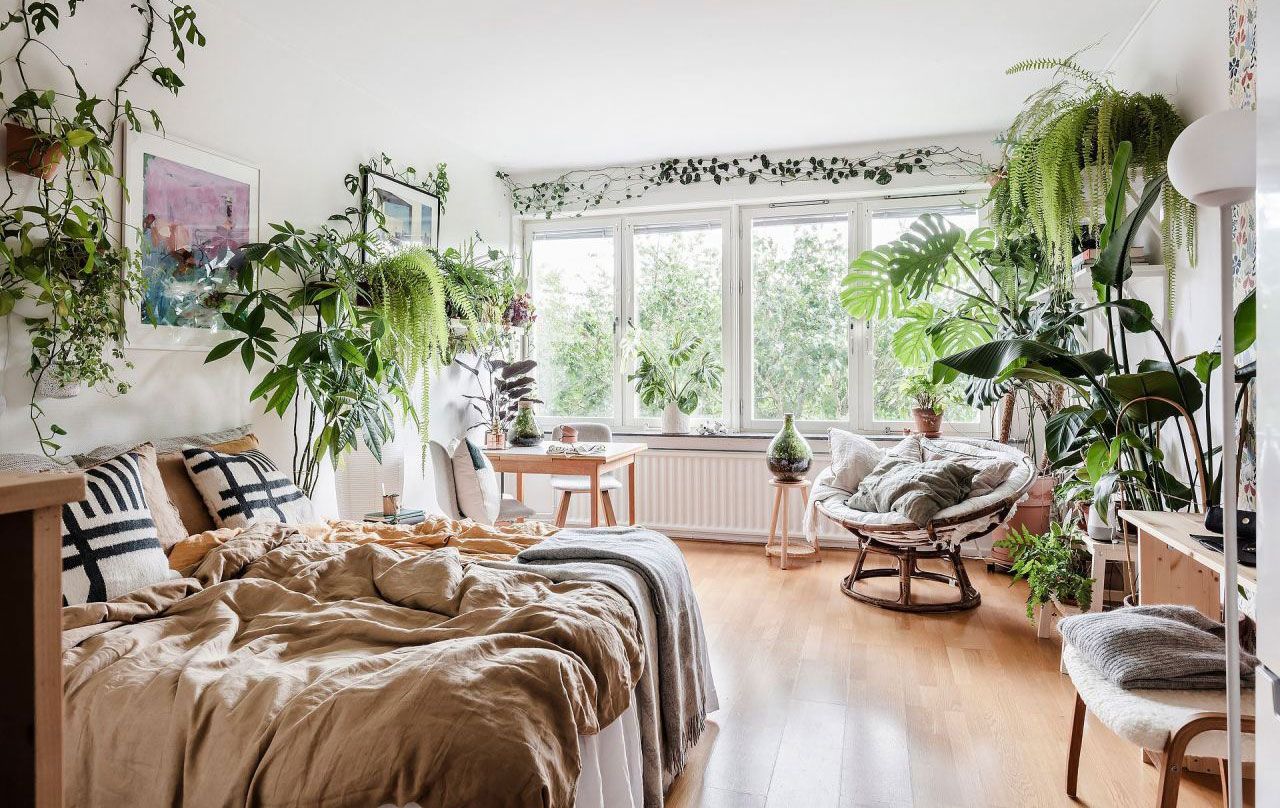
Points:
(1213, 161)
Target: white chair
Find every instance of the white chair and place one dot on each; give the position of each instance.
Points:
(511, 510)
(567, 485)
(1171, 723)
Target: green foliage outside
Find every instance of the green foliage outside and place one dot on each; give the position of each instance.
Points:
(800, 333)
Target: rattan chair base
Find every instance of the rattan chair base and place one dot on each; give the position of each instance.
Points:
(908, 570)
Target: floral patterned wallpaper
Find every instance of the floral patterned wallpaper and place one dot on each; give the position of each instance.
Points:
(1242, 31)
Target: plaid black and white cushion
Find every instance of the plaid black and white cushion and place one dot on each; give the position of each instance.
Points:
(109, 542)
(244, 488)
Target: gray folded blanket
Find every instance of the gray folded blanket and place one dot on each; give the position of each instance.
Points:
(685, 692)
(915, 490)
(1160, 647)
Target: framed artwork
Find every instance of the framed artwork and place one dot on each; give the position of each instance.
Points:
(190, 212)
(412, 216)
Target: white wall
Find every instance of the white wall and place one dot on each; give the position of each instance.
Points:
(1180, 50)
(268, 102)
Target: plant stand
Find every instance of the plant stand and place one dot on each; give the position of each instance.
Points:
(785, 548)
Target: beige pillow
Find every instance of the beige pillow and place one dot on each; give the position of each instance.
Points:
(909, 448)
(852, 458)
(169, 527)
(476, 483)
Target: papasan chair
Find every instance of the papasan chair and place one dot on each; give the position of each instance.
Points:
(941, 538)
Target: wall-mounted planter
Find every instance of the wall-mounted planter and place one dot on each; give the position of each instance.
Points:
(26, 153)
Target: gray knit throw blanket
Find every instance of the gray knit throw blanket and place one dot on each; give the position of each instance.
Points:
(1156, 647)
(683, 681)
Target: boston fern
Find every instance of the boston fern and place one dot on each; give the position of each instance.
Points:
(1060, 150)
(1053, 565)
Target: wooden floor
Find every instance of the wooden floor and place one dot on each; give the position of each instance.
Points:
(826, 701)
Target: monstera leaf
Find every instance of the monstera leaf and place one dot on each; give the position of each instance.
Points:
(867, 292)
(912, 342)
(923, 254)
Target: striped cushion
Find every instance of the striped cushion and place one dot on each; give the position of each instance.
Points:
(244, 488)
(109, 542)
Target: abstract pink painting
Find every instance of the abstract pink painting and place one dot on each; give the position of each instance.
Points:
(194, 224)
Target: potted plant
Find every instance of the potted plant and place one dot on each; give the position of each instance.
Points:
(930, 397)
(1054, 564)
(674, 378)
(1060, 153)
(503, 389)
(30, 152)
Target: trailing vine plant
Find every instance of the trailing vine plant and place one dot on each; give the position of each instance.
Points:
(1058, 158)
(59, 247)
(584, 189)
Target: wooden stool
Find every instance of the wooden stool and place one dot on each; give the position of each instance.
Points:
(782, 549)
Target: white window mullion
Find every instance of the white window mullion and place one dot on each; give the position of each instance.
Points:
(624, 297)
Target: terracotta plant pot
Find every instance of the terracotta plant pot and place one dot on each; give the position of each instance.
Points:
(1033, 514)
(26, 154)
(928, 421)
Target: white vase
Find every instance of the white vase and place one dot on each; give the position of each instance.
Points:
(1100, 530)
(674, 422)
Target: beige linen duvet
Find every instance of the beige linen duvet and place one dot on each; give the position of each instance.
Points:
(287, 670)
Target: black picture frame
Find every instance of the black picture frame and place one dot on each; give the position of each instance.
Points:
(403, 228)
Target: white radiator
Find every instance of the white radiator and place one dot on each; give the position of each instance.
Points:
(696, 494)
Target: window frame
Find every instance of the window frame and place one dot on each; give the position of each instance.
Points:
(867, 422)
(746, 314)
(735, 220)
(629, 312)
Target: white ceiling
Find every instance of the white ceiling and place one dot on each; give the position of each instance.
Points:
(585, 82)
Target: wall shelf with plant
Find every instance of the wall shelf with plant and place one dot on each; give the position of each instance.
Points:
(64, 267)
(1060, 154)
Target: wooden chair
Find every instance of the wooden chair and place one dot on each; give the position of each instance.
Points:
(567, 485)
(1172, 724)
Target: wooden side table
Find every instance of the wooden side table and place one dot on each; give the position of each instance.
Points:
(782, 549)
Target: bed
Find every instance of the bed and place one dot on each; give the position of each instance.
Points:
(339, 663)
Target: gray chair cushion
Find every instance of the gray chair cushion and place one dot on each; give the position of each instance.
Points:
(513, 508)
(582, 484)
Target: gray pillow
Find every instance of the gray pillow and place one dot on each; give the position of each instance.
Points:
(917, 491)
(853, 457)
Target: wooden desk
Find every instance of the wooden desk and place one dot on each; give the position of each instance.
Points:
(522, 460)
(31, 600)
(1175, 568)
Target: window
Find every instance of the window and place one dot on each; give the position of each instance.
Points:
(759, 284)
(572, 274)
(679, 277)
(799, 333)
(888, 405)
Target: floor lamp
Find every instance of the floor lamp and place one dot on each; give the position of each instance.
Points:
(1213, 163)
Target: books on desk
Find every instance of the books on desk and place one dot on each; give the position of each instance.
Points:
(575, 449)
(402, 517)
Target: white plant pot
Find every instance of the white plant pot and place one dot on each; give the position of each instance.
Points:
(1100, 530)
(50, 387)
(674, 422)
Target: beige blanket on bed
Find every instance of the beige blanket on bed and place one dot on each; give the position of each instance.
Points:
(289, 671)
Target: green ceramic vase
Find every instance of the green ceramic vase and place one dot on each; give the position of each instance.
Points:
(526, 431)
(789, 454)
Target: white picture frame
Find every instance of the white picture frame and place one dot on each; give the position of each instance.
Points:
(186, 253)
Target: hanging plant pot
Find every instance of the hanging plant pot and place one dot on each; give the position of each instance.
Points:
(27, 153)
(928, 421)
(51, 387)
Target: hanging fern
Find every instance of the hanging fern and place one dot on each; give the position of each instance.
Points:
(413, 296)
(1058, 156)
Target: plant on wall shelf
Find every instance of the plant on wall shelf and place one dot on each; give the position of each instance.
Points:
(413, 296)
(58, 247)
(1059, 155)
(1055, 566)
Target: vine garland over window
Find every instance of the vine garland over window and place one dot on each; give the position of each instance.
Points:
(583, 189)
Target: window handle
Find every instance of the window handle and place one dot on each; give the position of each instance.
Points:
(631, 324)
